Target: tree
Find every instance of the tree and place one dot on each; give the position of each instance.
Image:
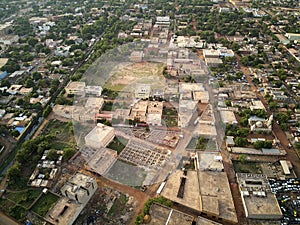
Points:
(47, 111)
(68, 153)
(15, 133)
(243, 158)
(52, 154)
(36, 76)
(240, 142)
(228, 102)
(14, 172)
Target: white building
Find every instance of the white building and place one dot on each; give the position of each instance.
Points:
(93, 90)
(100, 136)
(142, 91)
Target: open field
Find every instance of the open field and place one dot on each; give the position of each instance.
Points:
(24, 198)
(130, 73)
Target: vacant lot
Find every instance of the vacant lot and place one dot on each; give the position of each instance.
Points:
(130, 73)
(246, 167)
(127, 174)
(203, 144)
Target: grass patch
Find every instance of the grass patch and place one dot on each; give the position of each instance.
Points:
(24, 198)
(5, 205)
(246, 167)
(170, 121)
(17, 212)
(118, 144)
(200, 143)
(63, 131)
(60, 145)
(45, 202)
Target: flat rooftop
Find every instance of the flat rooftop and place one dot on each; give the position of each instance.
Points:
(63, 211)
(164, 215)
(262, 206)
(191, 189)
(99, 133)
(76, 85)
(3, 61)
(207, 130)
(93, 102)
(191, 87)
(215, 193)
(258, 200)
(253, 151)
(228, 116)
(82, 180)
(201, 96)
(102, 160)
(204, 221)
(210, 161)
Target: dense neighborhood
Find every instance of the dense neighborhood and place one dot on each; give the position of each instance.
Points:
(150, 112)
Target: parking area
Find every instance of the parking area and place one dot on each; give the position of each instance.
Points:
(287, 193)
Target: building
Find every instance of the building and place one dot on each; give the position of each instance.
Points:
(100, 136)
(14, 89)
(138, 111)
(76, 194)
(93, 90)
(4, 28)
(213, 62)
(161, 214)
(9, 39)
(211, 53)
(102, 161)
(154, 113)
(80, 188)
(226, 53)
(260, 124)
(228, 117)
(142, 91)
(293, 36)
(75, 88)
(206, 191)
(137, 56)
(258, 200)
(209, 161)
(94, 103)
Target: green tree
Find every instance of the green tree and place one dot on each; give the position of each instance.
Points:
(52, 154)
(240, 142)
(68, 153)
(14, 172)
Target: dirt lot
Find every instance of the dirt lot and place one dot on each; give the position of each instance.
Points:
(130, 73)
(138, 196)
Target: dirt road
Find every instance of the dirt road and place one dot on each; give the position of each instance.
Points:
(5, 220)
(277, 130)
